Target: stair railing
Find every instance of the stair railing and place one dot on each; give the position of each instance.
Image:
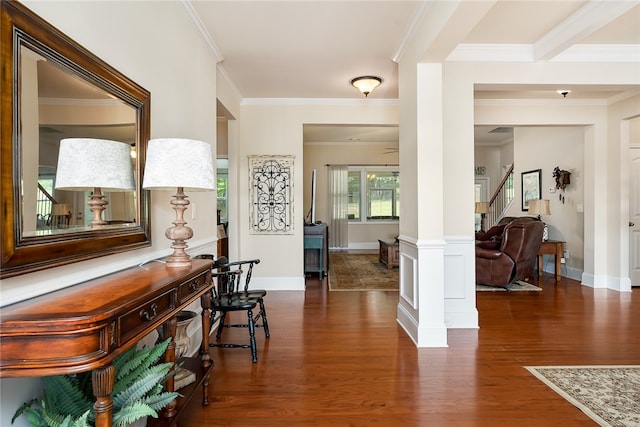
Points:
(501, 199)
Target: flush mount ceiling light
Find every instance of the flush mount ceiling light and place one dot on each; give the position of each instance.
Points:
(366, 84)
(564, 92)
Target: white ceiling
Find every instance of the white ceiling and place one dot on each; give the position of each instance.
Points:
(313, 48)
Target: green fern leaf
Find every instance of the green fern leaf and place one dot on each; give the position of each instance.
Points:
(161, 400)
(132, 413)
(64, 396)
(139, 388)
(134, 363)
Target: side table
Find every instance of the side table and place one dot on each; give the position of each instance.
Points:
(389, 253)
(551, 247)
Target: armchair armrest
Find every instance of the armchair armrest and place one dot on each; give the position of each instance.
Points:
(488, 253)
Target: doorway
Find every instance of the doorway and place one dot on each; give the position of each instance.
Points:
(634, 216)
(481, 193)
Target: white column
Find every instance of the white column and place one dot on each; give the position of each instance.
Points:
(421, 308)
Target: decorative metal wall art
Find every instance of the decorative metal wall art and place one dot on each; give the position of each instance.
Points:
(271, 192)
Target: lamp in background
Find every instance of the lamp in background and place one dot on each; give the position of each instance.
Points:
(540, 207)
(60, 214)
(183, 164)
(366, 84)
(482, 208)
(96, 165)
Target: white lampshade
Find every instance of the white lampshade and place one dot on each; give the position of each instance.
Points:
(175, 162)
(539, 207)
(87, 163)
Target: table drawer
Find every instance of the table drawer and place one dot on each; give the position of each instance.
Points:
(137, 319)
(191, 287)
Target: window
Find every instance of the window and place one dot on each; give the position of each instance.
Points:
(222, 183)
(374, 194)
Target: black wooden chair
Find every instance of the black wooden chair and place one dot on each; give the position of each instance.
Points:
(231, 293)
(224, 300)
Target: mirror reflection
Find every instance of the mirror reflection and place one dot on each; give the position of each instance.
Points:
(54, 89)
(57, 104)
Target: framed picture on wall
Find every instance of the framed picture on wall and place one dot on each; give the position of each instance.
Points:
(531, 187)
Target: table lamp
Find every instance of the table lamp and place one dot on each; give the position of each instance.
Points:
(540, 207)
(183, 164)
(96, 165)
(482, 208)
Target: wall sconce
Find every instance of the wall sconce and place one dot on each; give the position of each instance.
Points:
(482, 208)
(96, 165)
(181, 164)
(540, 207)
(366, 84)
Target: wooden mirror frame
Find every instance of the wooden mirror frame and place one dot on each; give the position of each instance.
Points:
(20, 254)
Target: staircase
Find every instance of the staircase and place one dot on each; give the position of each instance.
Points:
(501, 199)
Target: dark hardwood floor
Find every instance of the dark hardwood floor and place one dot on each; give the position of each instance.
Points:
(340, 359)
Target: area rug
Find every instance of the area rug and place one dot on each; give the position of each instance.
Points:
(517, 286)
(610, 395)
(360, 272)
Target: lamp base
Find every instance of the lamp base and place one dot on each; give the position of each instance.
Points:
(97, 204)
(179, 233)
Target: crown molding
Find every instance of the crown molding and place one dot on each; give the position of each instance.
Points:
(481, 52)
(470, 52)
(70, 102)
(412, 28)
(201, 28)
(527, 102)
(600, 53)
(320, 101)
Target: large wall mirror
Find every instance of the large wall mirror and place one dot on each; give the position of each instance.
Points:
(53, 89)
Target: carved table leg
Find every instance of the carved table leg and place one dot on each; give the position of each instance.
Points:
(205, 358)
(169, 330)
(102, 380)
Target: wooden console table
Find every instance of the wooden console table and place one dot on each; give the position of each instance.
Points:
(91, 323)
(389, 253)
(551, 247)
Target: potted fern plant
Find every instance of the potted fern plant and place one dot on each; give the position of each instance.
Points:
(138, 392)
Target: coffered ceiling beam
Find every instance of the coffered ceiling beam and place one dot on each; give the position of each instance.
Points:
(586, 20)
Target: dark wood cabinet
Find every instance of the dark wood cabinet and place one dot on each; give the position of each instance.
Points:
(316, 249)
(389, 253)
(91, 323)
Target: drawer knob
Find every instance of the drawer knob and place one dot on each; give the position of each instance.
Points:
(145, 315)
(194, 285)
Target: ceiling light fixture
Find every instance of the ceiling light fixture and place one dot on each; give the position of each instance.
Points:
(366, 84)
(564, 92)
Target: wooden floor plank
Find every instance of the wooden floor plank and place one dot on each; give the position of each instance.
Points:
(340, 359)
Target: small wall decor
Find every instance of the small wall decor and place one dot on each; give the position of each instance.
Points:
(563, 178)
(271, 192)
(531, 185)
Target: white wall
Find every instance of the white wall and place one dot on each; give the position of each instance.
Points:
(495, 158)
(153, 53)
(268, 127)
(545, 148)
(318, 156)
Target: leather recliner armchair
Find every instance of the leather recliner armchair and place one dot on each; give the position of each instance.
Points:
(515, 256)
